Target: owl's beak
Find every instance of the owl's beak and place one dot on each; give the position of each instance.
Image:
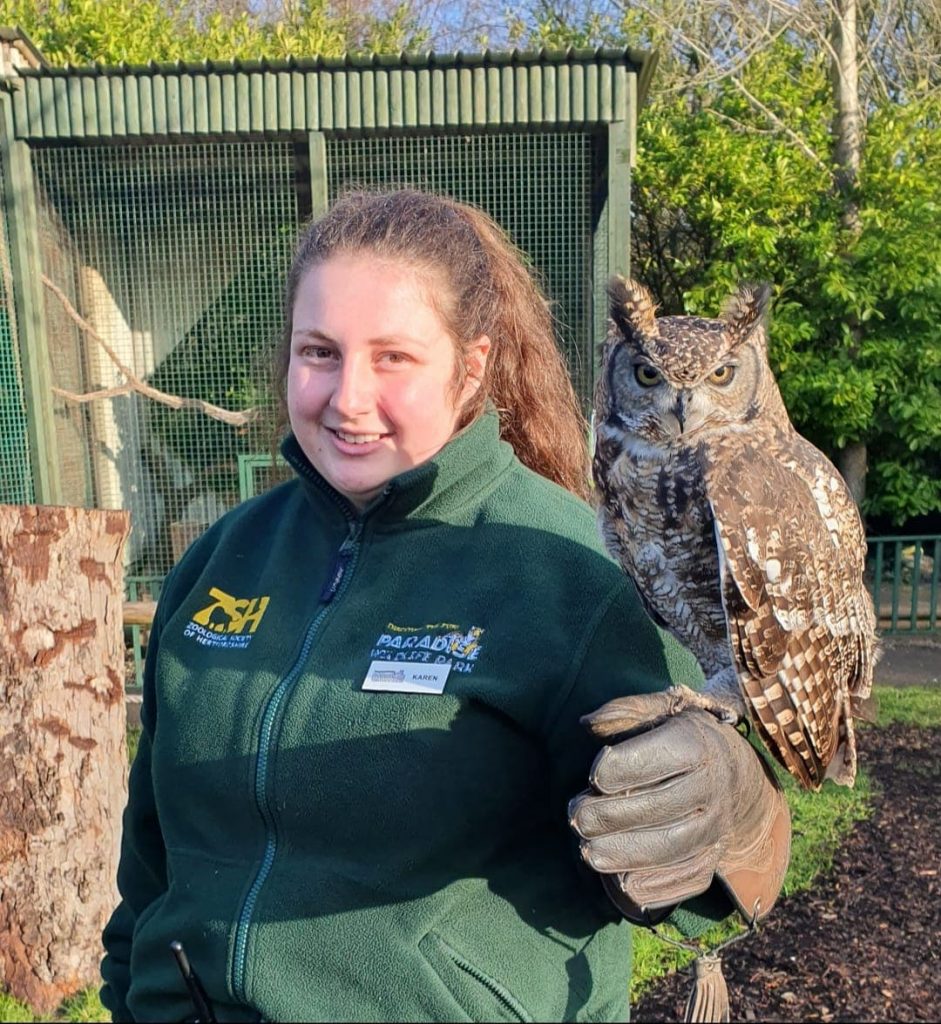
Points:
(681, 409)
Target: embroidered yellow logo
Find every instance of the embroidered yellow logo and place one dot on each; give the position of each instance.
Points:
(228, 614)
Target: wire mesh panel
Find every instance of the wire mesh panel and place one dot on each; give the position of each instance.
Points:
(170, 261)
(16, 484)
(537, 187)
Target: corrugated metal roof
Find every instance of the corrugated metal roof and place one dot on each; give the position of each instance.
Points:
(371, 92)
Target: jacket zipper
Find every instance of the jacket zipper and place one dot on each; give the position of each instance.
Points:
(339, 576)
(494, 987)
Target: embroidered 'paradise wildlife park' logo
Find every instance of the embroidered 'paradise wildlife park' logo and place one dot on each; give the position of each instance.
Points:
(227, 621)
(437, 643)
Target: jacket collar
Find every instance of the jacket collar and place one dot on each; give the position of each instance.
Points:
(434, 490)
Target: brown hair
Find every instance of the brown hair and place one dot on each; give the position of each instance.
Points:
(488, 290)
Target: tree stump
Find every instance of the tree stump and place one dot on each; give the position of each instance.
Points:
(63, 756)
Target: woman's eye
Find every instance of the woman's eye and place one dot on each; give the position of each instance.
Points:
(646, 375)
(723, 375)
(395, 358)
(316, 352)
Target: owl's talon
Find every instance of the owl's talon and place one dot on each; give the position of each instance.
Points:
(682, 697)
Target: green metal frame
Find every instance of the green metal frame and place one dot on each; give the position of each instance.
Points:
(901, 611)
(16, 481)
(248, 473)
(317, 156)
(19, 215)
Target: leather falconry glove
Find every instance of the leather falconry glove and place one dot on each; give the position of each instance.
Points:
(681, 801)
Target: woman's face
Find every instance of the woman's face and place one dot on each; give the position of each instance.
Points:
(370, 384)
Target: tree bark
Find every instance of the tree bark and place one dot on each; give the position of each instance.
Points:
(63, 759)
(851, 462)
(847, 121)
(847, 153)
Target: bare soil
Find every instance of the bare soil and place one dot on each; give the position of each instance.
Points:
(865, 943)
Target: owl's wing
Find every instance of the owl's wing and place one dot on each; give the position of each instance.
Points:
(800, 621)
(843, 522)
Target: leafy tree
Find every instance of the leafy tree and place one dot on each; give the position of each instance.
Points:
(138, 31)
(716, 203)
(740, 171)
(739, 176)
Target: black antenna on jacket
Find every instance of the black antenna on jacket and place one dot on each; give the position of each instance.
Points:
(204, 1014)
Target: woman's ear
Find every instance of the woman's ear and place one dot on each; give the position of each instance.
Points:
(475, 363)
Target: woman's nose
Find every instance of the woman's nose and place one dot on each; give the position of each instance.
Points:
(354, 390)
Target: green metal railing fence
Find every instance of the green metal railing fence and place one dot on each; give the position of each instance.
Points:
(259, 473)
(138, 588)
(903, 578)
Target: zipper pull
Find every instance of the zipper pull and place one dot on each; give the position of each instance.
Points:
(340, 562)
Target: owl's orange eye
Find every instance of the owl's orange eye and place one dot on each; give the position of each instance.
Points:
(646, 375)
(722, 375)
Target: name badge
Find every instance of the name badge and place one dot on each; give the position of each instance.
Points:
(399, 677)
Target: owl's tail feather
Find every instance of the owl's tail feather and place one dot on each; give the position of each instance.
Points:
(866, 709)
(842, 769)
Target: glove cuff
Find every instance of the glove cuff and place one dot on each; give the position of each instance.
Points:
(753, 872)
(646, 917)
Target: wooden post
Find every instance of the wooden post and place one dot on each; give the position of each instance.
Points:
(317, 148)
(612, 242)
(63, 759)
(620, 157)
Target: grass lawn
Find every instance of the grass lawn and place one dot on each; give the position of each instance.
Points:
(819, 820)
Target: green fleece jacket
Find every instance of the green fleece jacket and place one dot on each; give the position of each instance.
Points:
(399, 850)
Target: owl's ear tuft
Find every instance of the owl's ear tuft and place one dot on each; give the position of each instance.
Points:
(745, 309)
(632, 307)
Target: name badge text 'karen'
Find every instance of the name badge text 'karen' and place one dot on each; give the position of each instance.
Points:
(402, 677)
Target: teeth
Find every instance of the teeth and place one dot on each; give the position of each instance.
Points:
(357, 438)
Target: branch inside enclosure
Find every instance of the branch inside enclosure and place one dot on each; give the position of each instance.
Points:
(234, 418)
(139, 613)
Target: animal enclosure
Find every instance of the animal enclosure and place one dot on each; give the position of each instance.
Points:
(149, 216)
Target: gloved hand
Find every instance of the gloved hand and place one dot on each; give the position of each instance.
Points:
(683, 800)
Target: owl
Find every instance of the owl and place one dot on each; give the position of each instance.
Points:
(740, 535)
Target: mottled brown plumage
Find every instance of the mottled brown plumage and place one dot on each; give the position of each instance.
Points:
(740, 535)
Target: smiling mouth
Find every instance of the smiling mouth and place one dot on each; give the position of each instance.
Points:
(356, 438)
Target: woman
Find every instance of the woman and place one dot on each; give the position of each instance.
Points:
(363, 688)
